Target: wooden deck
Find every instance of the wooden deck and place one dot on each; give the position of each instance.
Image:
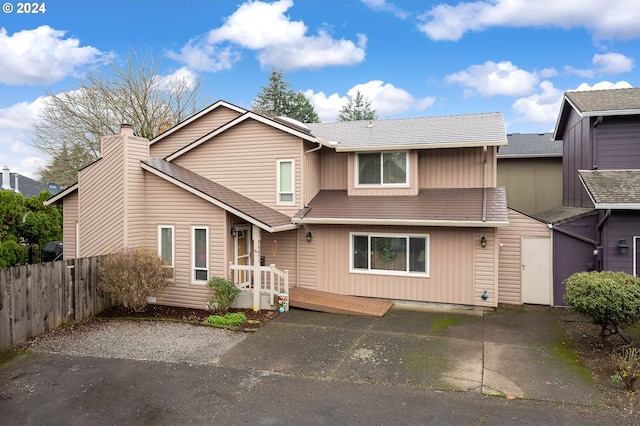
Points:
(334, 303)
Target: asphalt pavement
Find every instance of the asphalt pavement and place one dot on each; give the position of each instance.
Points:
(408, 367)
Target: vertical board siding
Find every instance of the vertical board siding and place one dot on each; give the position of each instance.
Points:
(308, 256)
(510, 249)
(38, 298)
(576, 155)
(617, 143)
(195, 130)
(485, 268)
(311, 175)
(457, 168)
(244, 159)
(136, 149)
(334, 169)
(451, 266)
(166, 206)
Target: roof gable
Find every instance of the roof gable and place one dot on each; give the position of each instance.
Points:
(452, 131)
(592, 103)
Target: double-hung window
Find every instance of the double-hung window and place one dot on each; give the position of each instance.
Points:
(166, 245)
(286, 182)
(390, 254)
(200, 253)
(382, 168)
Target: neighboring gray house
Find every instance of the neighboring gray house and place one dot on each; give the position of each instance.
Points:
(20, 184)
(530, 169)
(598, 226)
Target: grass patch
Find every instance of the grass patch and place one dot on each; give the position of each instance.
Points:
(443, 323)
(230, 319)
(12, 354)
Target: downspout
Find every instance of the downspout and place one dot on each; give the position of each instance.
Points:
(594, 145)
(304, 193)
(599, 227)
(484, 184)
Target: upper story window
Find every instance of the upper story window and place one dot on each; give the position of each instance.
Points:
(285, 182)
(382, 168)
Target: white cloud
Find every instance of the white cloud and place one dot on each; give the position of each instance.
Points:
(42, 56)
(181, 81)
(386, 99)
(617, 19)
(541, 107)
(16, 122)
(612, 63)
(501, 78)
(277, 40)
(604, 85)
(385, 6)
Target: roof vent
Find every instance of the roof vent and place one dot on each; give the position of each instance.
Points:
(370, 125)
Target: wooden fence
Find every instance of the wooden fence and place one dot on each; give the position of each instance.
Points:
(38, 298)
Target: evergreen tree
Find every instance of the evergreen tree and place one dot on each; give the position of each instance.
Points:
(357, 108)
(279, 99)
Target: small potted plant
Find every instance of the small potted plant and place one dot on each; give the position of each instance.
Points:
(283, 302)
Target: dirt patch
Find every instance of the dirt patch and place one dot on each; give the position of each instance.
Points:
(255, 319)
(597, 359)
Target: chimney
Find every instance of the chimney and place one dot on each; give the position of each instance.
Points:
(6, 177)
(126, 129)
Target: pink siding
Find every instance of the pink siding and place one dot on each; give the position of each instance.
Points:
(451, 259)
(311, 173)
(334, 169)
(510, 247)
(486, 268)
(136, 149)
(457, 168)
(166, 206)
(193, 131)
(70, 218)
(244, 158)
(101, 201)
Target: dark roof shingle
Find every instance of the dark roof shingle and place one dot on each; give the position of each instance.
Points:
(612, 188)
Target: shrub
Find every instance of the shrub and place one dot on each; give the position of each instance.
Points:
(228, 320)
(133, 275)
(222, 293)
(627, 364)
(610, 299)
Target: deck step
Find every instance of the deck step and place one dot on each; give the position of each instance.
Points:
(334, 303)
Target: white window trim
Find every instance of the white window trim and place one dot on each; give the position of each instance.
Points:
(406, 273)
(293, 183)
(193, 255)
(173, 244)
(381, 184)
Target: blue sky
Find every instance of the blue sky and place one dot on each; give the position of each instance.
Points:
(411, 58)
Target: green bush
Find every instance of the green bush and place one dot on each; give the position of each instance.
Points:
(222, 293)
(228, 320)
(610, 299)
(133, 275)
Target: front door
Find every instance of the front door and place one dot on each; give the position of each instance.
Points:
(242, 254)
(536, 270)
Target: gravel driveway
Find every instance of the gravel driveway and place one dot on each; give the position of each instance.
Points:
(139, 340)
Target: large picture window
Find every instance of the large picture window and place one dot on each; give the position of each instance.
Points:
(390, 253)
(382, 168)
(285, 182)
(166, 245)
(200, 250)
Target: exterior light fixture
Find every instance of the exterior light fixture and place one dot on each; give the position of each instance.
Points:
(483, 241)
(309, 236)
(233, 232)
(623, 247)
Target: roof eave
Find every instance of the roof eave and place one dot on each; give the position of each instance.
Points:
(61, 195)
(617, 206)
(399, 222)
(420, 146)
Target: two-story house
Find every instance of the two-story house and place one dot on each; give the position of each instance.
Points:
(598, 226)
(404, 209)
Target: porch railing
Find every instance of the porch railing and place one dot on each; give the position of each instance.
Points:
(272, 280)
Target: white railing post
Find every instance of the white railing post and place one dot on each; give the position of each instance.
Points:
(272, 268)
(286, 287)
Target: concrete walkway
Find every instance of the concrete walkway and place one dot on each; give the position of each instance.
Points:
(515, 352)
